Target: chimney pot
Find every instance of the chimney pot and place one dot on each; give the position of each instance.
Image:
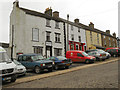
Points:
(108, 31)
(48, 11)
(91, 25)
(76, 20)
(56, 14)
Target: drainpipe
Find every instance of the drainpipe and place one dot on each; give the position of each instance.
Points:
(67, 32)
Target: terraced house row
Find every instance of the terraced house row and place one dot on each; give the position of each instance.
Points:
(48, 34)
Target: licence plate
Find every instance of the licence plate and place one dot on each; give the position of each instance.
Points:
(67, 64)
(7, 78)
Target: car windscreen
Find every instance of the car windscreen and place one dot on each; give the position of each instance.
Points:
(85, 54)
(37, 57)
(4, 57)
(61, 57)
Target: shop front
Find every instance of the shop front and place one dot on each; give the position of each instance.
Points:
(77, 46)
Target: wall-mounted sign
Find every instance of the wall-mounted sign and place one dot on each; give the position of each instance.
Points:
(48, 43)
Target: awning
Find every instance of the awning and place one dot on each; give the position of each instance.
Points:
(99, 47)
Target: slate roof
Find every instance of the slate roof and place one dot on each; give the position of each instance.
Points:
(39, 14)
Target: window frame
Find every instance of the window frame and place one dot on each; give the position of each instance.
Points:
(33, 35)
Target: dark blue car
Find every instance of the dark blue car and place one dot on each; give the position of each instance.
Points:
(35, 62)
(60, 62)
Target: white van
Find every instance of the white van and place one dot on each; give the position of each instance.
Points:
(7, 67)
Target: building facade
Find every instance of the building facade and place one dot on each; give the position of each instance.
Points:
(35, 32)
(109, 40)
(76, 37)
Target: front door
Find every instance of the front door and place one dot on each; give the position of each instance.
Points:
(48, 51)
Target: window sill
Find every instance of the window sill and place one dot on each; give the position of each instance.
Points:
(34, 41)
(57, 28)
(57, 42)
(48, 26)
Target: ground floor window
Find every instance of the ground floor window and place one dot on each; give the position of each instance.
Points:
(57, 52)
(38, 50)
(72, 46)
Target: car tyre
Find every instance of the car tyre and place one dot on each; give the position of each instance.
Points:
(56, 67)
(87, 61)
(37, 69)
(66, 67)
(13, 78)
(50, 69)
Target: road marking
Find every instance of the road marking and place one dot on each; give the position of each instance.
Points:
(37, 77)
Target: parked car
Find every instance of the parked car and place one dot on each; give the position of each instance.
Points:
(35, 62)
(102, 54)
(61, 62)
(99, 55)
(114, 52)
(7, 67)
(21, 70)
(107, 54)
(79, 56)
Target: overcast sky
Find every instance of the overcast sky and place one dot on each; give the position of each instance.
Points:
(103, 13)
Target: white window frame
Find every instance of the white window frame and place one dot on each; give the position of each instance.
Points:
(35, 34)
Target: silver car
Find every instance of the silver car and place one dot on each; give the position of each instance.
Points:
(98, 54)
(21, 70)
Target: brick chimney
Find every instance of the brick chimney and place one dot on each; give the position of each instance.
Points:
(16, 3)
(108, 31)
(76, 20)
(48, 11)
(91, 25)
(114, 34)
(56, 14)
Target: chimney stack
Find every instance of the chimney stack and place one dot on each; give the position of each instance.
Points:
(48, 11)
(16, 3)
(91, 25)
(108, 31)
(76, 20)
(114, 34)
(56, 14)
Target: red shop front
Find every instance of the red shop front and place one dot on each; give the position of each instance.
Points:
(76, 45)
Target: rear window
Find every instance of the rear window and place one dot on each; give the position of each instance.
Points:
(61, 57)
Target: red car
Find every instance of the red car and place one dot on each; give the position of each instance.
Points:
(111, 48)
(79, 56)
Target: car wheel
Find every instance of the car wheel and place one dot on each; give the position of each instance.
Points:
(87, 61)
(13, 78)
(50, 69)
(66, 67)
(56, 67)
(114, 55)
(37, 69)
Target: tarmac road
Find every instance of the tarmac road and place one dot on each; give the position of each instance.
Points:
(101, 76)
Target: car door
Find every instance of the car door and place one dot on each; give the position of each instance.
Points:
(29, 62)
(80, 57)
(22, 60)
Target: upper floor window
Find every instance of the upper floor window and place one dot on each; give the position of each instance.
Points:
(48, 36)
(48, 22)
(71, 27)
(104, 37)
(57, 37)
(56, 24)
(79, 37)
(72, 37)
(78, 29)
(98, 38)
(91, 36)
(35, 34)
(109, 42)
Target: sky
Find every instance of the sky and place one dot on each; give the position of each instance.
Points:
(103, 13)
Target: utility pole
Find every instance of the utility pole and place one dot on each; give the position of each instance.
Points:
(67, 32)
